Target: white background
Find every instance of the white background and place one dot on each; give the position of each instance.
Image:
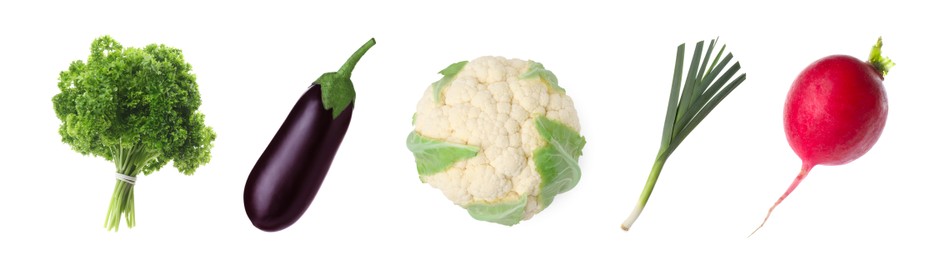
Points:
(254, 60)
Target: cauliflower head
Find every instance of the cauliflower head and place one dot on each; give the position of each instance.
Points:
(498, 137)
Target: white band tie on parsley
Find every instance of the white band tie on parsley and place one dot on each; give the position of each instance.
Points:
(126, 178)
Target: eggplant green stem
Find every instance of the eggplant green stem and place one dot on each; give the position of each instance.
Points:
(880, 63)
(337, 90)
(348, 66)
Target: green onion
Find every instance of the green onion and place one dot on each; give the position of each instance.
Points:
(705, 86)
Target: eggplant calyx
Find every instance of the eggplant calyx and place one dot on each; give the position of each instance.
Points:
(337, 90)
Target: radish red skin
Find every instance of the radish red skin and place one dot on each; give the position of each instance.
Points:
(835, 112)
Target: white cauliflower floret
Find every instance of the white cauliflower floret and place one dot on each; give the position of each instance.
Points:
(493, 104)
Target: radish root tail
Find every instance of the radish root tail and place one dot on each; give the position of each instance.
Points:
(806, 168)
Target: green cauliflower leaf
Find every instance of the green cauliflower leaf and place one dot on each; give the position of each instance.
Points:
(557, 161)
(537, 70)
(507, 212)
(448, 74)
(434, 156)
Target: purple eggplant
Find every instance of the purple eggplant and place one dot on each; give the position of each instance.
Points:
(290, 171)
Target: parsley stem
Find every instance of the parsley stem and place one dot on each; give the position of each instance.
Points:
(130, 161)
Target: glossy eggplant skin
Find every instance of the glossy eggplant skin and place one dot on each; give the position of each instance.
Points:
(290, 171)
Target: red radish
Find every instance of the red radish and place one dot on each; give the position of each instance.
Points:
(835, 112)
